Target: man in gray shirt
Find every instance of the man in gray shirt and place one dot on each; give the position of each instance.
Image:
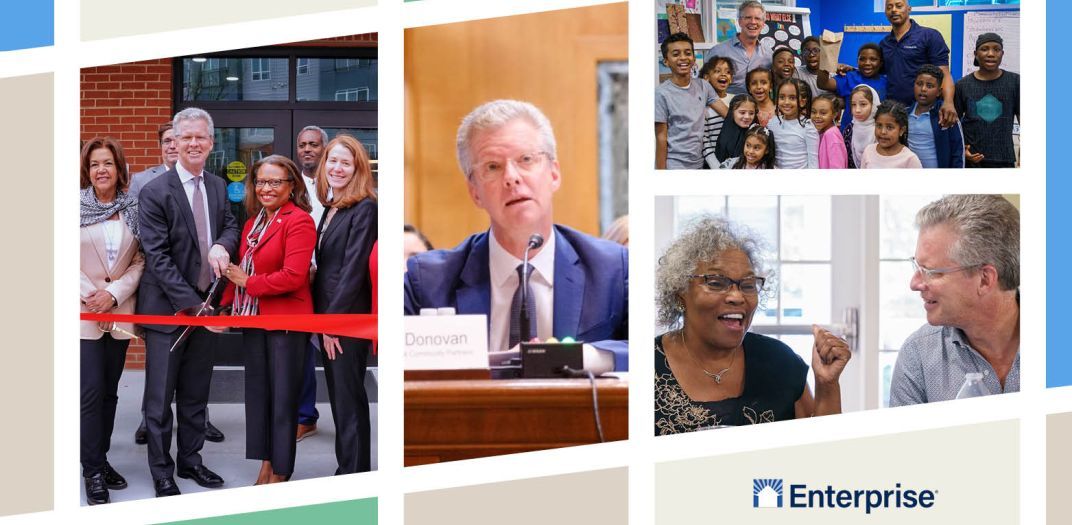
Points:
(169, 152)
(968, 275)
(745, 50)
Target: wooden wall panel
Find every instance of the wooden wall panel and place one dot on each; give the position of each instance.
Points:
(548, 59)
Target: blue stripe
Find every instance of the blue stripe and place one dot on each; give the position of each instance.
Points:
(25, 24)
(1058, 188)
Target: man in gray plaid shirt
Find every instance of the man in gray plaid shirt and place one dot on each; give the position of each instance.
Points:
(967, 271)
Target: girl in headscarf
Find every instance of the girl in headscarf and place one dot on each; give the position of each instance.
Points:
(741, 116)
(863, 102)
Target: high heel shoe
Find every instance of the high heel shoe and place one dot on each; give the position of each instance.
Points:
(265, 474)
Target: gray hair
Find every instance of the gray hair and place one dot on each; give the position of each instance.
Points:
(988, 232)
(193, 114)
(705, 238)
(323, 134)
(496, 114)
(749, 4)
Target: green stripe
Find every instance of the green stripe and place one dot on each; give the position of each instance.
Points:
(362, 511)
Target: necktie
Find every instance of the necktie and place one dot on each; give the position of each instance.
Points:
(201, 223)
(515, 310)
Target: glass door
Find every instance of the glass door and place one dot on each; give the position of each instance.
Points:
(242, 138)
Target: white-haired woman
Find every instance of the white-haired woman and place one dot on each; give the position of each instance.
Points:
(710, 370)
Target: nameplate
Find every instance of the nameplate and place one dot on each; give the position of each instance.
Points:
(447, 342)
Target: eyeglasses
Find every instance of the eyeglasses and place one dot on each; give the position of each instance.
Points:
(271, 183)
(722, 284)
(810, 51)
(493, 170)
(931, 273)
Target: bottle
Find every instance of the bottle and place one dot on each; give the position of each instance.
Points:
(973, 386)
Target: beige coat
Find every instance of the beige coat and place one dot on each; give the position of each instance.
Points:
(121, 281)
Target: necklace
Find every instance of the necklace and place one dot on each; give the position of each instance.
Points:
(717, 376)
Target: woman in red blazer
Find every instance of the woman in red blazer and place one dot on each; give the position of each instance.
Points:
(272, 278)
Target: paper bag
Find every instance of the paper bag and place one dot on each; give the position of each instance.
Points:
(679, 23)
(830, 50)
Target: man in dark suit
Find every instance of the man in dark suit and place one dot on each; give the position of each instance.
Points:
(169, 155)
(188, 234)
(578, 283)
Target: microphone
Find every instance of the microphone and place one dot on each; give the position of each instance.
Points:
(535, 241)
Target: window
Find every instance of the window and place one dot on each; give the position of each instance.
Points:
(303, 66)
(260, 69)
(344, 64)
(923, 6)
(226, 79)
(899, 307)
(352, 95)
(339, 79)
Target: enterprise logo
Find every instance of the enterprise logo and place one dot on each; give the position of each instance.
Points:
(767, 493)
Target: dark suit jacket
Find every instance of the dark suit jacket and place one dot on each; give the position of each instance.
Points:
(591, 287)
(342, 284)
(169, 240)
(281, 264)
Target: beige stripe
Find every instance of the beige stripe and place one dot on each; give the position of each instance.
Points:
(588, 497)
(115, 18)
(26, 386)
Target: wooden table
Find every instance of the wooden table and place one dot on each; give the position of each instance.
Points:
(448, 420)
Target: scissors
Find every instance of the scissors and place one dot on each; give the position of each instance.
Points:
(202, 311)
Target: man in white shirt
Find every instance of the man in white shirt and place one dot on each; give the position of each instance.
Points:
(310, 149)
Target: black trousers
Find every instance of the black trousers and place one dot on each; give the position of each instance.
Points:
(274, 369)
(350, 405)
(182, 376)
(101, 366)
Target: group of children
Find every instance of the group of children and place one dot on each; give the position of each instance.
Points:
(803, 117)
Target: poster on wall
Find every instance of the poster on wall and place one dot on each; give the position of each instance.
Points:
(786, 26)
(1004, 23)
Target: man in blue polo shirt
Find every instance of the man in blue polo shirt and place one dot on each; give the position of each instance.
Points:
(909, 46)
(745, 50)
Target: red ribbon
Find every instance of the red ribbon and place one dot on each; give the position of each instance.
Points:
(358, 326)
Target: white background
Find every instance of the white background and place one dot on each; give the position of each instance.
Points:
(642, 451)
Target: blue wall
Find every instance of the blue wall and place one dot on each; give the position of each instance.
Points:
(836, 14)
(1058, 220)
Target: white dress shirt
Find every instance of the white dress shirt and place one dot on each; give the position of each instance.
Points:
(310, 189)
(504, 280)
(187, 179)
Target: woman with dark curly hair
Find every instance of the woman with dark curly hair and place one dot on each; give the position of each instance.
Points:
(711, 371)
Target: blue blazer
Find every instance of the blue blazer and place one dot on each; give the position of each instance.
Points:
(591, 287)
(948, 142)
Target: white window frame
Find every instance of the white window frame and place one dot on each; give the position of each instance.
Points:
(260, 69)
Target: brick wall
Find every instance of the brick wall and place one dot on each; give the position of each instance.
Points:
(129, 102)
